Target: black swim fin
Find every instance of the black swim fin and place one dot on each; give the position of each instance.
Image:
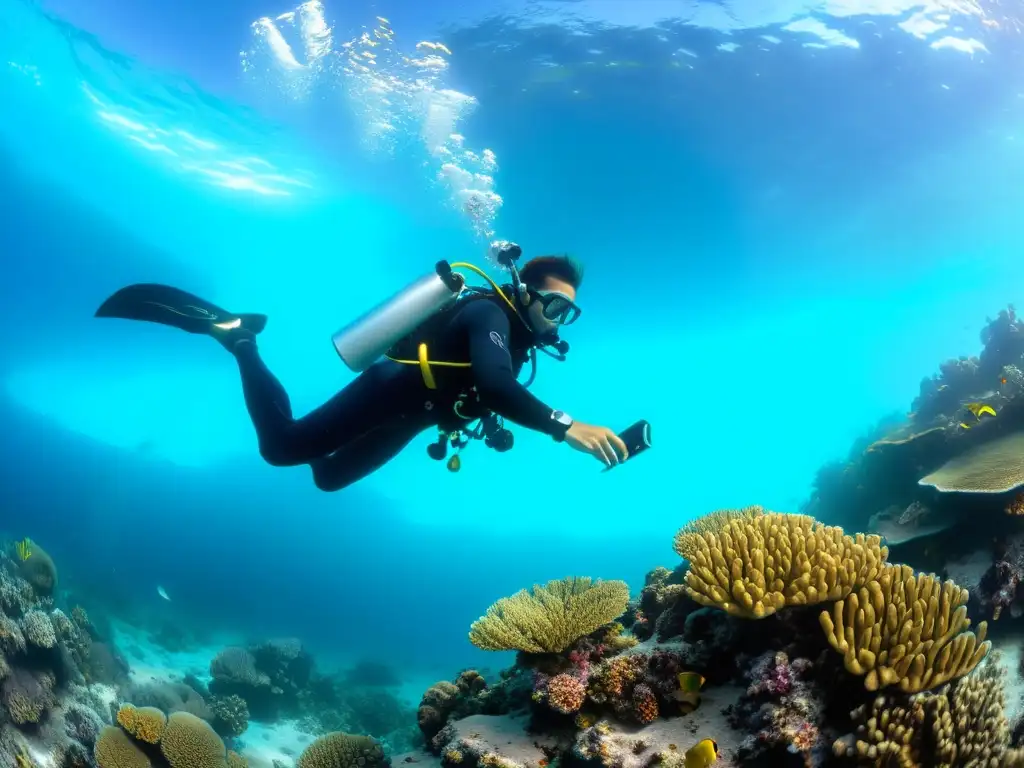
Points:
(163, 304)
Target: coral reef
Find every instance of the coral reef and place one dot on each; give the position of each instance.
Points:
(342, 750)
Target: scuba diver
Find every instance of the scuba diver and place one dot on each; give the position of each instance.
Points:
(438, 354)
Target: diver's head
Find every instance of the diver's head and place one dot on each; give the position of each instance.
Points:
(551, 284)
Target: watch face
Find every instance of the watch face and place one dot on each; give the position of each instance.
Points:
(561, 417)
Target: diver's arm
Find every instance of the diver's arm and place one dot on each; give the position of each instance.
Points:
(488, 331)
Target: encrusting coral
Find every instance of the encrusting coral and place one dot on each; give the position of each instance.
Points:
(905, 629)
(551, 618)
(752, 564)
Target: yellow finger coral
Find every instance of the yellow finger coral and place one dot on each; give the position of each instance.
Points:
(189, 742)
(550, 619)
(342, 750)
(905, 629)
(750, 563)
(115, 749)
(144, 723)
(688, 538)
(960, 725)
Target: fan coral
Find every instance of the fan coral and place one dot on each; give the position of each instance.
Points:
(114, 749)
(145, 724)
(905, 629)
(566, 693)
(342, 750)
(551, 618)
(752, 566)
(38, 629)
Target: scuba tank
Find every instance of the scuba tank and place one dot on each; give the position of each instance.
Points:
(364, 340)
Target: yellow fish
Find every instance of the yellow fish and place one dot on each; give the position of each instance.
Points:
(980, 409)
(688, 694)
(24, 549)
(701, 754)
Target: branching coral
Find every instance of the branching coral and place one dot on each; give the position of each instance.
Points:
(752, 565)
(551, 618)
(907, 630)
(342, 750)
(958, 726)
(38, 629)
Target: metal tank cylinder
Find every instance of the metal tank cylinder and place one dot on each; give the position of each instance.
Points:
(363, 341)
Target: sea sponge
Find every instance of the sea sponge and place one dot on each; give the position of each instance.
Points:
(566, 693)
(907, 630)
(550, 619)
(115, 749)
(342, 750)
(752, 564)
(38, 629)
(189, 742)
(993, 467)
(39, 571)
(144, 723)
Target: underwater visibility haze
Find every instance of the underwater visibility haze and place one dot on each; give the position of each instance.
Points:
(801, 233)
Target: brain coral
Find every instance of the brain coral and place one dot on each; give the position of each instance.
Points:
(342, 750)
(189, 742)
(144, 723)
(38, 629)
(115, 749)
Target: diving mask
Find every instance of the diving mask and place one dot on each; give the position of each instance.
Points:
(557, 307)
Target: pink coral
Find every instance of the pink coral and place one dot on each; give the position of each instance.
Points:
(566, 693)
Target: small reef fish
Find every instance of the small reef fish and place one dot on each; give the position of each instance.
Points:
(980, 409)
(163, 593)
(688, 694)
(701, 754)
(24, 549)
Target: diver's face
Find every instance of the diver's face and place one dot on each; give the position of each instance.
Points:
(535, 309)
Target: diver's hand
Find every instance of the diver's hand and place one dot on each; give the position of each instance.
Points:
(599, 442)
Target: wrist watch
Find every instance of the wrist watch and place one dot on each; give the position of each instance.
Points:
(562, 422)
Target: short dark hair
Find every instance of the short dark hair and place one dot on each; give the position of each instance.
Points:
(563, 267)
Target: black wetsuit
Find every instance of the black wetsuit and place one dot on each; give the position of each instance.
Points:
(372, 419)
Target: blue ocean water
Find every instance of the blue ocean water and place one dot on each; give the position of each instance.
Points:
(789, 215)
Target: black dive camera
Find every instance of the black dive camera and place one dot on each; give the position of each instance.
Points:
(506, 253)
(637, 438)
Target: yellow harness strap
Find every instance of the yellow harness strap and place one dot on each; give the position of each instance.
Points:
(424, 362)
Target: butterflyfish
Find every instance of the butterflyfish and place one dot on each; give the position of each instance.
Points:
(688, 694)
(980, 409)
(701, 754)
(24, 549)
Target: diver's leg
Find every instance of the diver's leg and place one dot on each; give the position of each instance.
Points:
(364, 455)
(378, 397)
